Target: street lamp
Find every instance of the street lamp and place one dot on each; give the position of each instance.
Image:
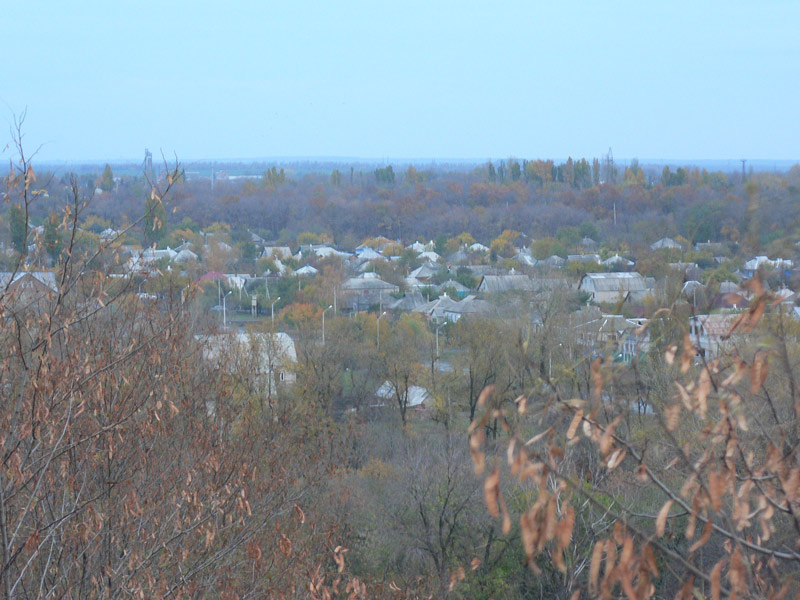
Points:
(323, 322)
(378, 330)
(224, 312)
(272, 308)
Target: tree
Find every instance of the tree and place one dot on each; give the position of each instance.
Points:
(714, 504)
(132, 469)
(52, 237)
(106, 181)
(385, 175)
(400, 356)
(18, 222)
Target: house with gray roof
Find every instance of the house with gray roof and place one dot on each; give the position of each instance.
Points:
(666, 243)
(613, 287)
(367, 290)
(495, 284)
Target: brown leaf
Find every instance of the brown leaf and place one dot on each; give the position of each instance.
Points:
(491, 490)
(539, 436)
(485, 393)
(597, 376)
(607, 440)
(669, 355)
(688, 353)
(671, 416)
(594, 569)
(506, 516)
(716, 574)
(616, 458)
(758, 372)
(738, 373)
(703, 389)
(755, 314)
(573, 426)
(661, 520)
(564, 528)
(301, 515)
(475, 564)
(715, 489)
(709, 527)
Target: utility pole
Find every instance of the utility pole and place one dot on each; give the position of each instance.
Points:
(744, 176)
(378, 331)
(323, 323)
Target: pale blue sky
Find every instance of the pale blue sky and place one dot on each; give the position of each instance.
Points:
(104, 80)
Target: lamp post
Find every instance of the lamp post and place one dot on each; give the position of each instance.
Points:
(224, 311)
(272, 308)
(323, 322)
(378, 330)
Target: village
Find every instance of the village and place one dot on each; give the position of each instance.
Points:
(593, 303)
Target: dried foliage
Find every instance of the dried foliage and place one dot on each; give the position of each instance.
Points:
(129, 467)
(722, 475)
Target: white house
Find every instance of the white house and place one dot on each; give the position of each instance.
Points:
(270, 357)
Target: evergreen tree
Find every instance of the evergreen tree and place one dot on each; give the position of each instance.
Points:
(19, 228)
(106, 181)
(52, 238)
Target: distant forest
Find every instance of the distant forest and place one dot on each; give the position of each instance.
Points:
(625, 206)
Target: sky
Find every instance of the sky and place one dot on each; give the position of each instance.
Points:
(433, 79)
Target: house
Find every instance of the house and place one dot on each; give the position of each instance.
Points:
(307, 271)
(583, 258)
(524, 257)
(551, 262)
(617, 261)
(453, 285)
(408, 302)
(589, 244)
(710, 246)
(26, 289)
(437, 310)
(780, 265)
(185, 255)
(666, 243)
(415, 396)
(495, 284)
(710, 333)
(270, 356)
(613, 287)
(424, 272)
(367, 253)
(429, 255)
(360, 293)
(476, 247)
(417, 247)
(283, 252)
(458, 257)
(469, 307)
(612, 333)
